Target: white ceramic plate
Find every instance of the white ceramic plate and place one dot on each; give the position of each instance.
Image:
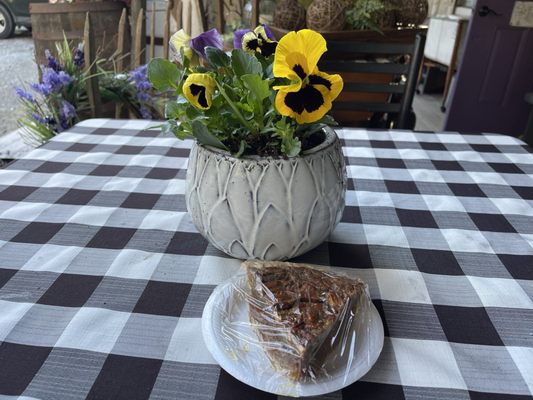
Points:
(230, 339)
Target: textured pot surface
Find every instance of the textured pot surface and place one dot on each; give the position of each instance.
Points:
(271, 209)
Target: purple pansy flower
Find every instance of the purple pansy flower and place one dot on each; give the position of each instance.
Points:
(239, 33)
(268, 32)
(210, 38)
(237, 37)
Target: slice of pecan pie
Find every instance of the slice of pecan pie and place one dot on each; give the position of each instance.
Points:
(300, 314)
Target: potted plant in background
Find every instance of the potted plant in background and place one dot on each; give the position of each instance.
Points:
(266, 176)
(59, 99)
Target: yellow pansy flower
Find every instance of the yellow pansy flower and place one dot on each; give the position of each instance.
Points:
(259, 41)
(198, 89)
(180, 40)
(310, 95)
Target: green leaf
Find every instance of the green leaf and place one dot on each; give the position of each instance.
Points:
(269, 70)
(202, 134)
(184, 60)
(310, 129)
(246, 107)
(191, 112)
(257, 86)
(163, 74)
(244, 63)
(172, 127)
(216, 57)
(172, 109)
(109, 95)
(291, 147)
(328, 120)
(242, 147)
(168, 127)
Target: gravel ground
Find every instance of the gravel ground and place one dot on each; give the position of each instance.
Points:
(17, 66)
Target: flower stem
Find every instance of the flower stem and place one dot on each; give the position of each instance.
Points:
(233, 107)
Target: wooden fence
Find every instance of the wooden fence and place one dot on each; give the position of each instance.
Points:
(142, 45)
(141, 52)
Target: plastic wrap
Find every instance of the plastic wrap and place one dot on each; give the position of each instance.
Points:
(293, 329)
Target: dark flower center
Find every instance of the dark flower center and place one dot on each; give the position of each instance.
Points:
(197, 90)
(252, 44)
(318, 80)
(268, 48)
(264, 46)
(308, 98)
(299, 71)
(260, 36)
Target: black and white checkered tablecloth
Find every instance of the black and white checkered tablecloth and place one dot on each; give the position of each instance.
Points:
(103, 277)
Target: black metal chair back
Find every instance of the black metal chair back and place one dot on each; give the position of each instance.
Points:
(528, 135)
(379, 80)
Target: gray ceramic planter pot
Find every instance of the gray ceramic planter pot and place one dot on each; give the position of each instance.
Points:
(266, 208)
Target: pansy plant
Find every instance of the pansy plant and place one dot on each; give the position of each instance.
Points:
(263, 98)
(260, 40)
(309, 96)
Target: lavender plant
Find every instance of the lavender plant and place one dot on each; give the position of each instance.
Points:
(139, 76)
(59, 99)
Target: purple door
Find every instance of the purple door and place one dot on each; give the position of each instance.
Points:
(495, 73)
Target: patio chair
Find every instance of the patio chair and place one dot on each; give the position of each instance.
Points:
(528, 136)
(379, 81)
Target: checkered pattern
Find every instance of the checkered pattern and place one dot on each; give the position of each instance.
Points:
(103, 276)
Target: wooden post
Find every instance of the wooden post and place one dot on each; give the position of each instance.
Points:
(255, 14)
(121, 36)
(166, 28)
(179, 16)
(152, 32)
(186, 17)
(203, 14)
(93, 92)
(219, 15)
(136, 7)
(138, 50)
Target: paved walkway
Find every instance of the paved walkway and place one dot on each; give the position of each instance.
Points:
(17, 66)
(12, 145)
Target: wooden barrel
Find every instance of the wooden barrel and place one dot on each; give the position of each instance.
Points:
(50, 21)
